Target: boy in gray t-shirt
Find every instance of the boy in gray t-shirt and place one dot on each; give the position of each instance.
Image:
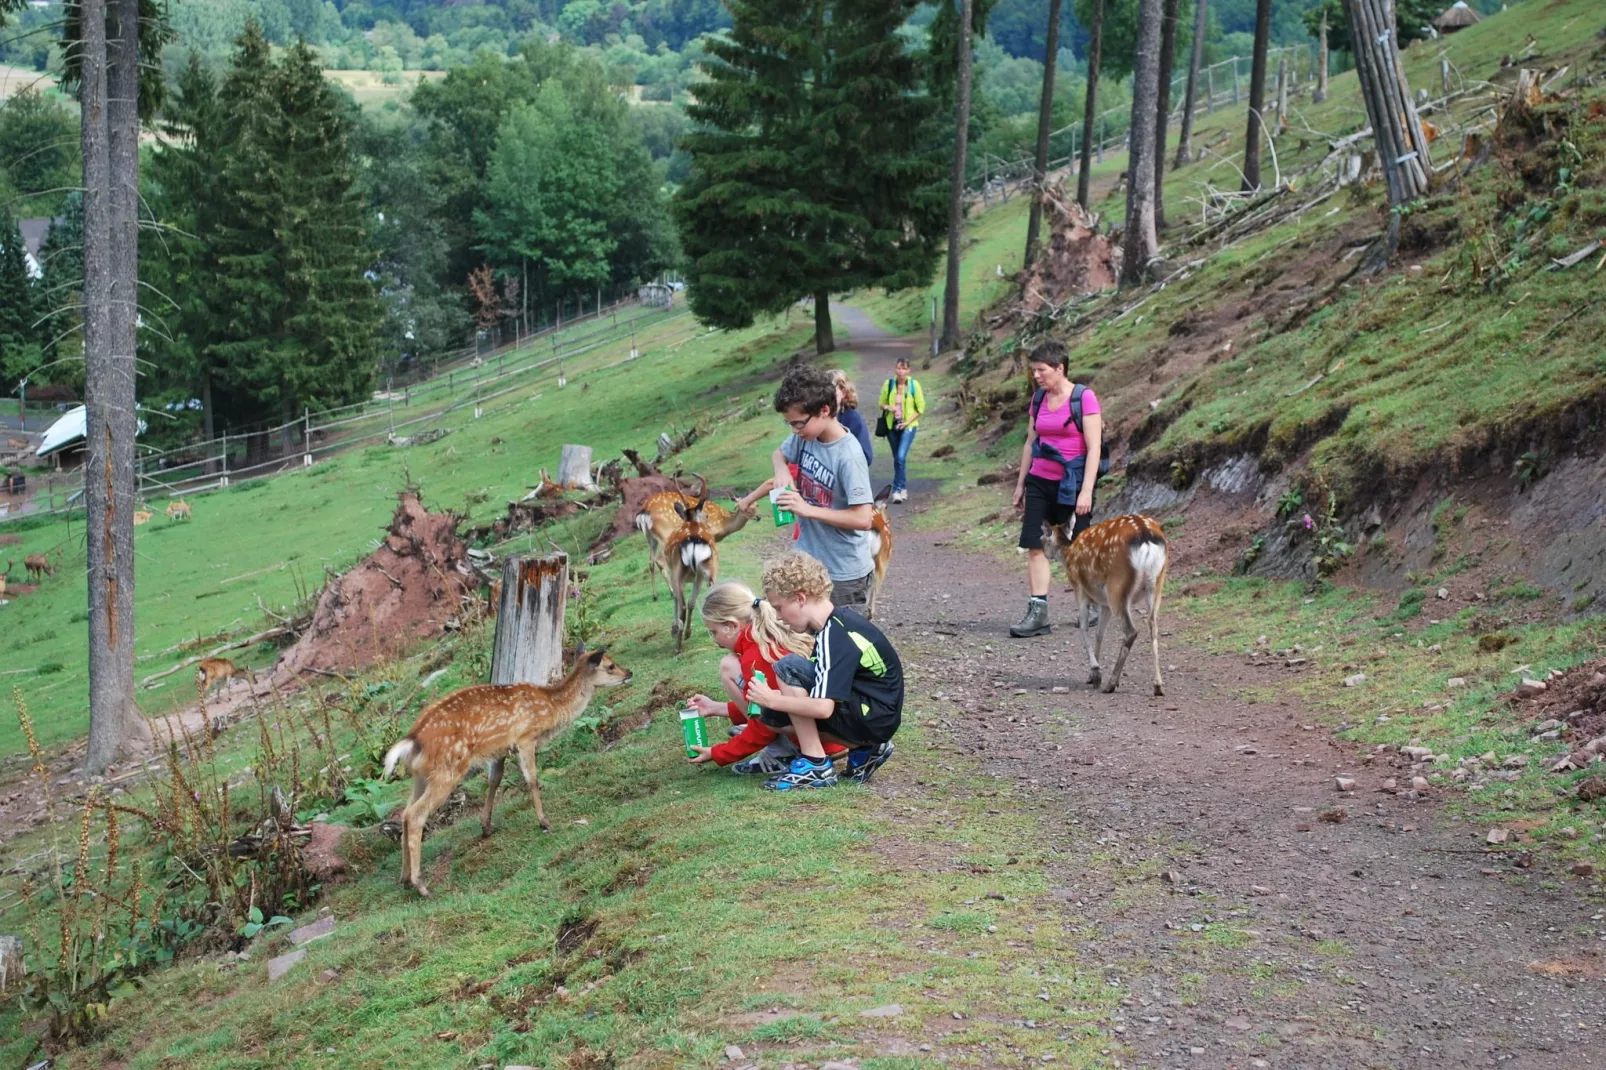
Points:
(831, 499)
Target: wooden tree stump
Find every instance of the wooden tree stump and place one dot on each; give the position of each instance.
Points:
(529, 620)
(11, 969)
(574, 468)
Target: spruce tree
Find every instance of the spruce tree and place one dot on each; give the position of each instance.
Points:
(813, 170)
(19, 346)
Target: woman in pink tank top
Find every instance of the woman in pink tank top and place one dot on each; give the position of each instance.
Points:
(1053, 431)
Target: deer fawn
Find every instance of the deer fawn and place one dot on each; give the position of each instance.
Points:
(38, 566)
(10, 564)
(658, 520)
(178, 509)
(215, 670)
(880, 545)
(691, 557)
(1113, 564)
(481, 723)
(142, 516)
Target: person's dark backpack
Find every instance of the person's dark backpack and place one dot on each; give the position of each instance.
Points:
(1075, 416)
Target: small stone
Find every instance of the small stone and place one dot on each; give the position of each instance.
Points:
(1059, 690)
(316, 931)
(1583, 869)
(1390, 785)
(734, 1054)
(1196, 1051)
(1419, 783)
(1497, 836)
(1456, 681)
(1355, 681)
(1444, 592)
(1545, 726)
(1515, 761)
(891, 1010)
(278, 967)
(1417, 754)
(1239, 1024)
(1531, 688)
(1259, 889)
(1334, 817)
(1171, 876)
(1344, 783)
(329, 977)
(840, 1064)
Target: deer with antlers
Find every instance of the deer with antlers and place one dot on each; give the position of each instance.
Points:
(481, 723)
(690, 556)
(1117, 564)
(658, 520)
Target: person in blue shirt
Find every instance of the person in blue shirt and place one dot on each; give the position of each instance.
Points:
(847, 413)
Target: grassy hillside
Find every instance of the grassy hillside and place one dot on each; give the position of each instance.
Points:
(1470, 348)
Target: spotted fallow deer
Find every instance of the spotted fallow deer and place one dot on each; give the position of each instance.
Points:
(880, 545)
(481, 723)
(691, 556)
(657, 520)
(1117, 564)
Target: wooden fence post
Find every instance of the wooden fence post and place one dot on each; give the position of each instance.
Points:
(529, 620)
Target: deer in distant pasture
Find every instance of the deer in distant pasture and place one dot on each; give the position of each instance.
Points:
(481, 723)
(880, 545)
(657, 520)
(142, 516)
(178, 509)
(690, 556)
(1115, 564)
(10, 564)
(211, 671)
(38, 566)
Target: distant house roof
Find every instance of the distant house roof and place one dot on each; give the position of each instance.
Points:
(64, 432)
(1455, 17)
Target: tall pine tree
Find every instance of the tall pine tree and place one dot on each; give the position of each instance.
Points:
(19, 336)
(813, 170)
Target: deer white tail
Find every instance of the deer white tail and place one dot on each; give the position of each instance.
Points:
(694, 553)
(400, 753)
(875, 543)
(644, 521)
(1148, 561)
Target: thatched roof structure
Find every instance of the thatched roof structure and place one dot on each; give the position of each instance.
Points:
(1456, 17)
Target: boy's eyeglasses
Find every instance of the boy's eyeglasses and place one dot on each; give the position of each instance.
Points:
(798, 425)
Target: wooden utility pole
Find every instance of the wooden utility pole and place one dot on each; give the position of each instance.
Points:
(1162, 103)
(1185, 138)
(1257, 96)
(109, 104)
(951, 338)
(529, 620)
(1045, 120)
(1091, 108)
(1142, 242)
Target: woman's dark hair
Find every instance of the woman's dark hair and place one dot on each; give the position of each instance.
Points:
(809, 389)
(1051, 353)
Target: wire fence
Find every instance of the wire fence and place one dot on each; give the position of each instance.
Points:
(397, 413)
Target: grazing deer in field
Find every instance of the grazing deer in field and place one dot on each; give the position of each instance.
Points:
(142, 516)
(691, 557)
(215, 670)
(880, 545)
(1114, 564)
(178, 509)
(10, 564)
(481, 723)
(658, 520)
(38, 566)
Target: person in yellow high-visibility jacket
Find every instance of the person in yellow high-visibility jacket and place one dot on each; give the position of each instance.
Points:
(902, 402)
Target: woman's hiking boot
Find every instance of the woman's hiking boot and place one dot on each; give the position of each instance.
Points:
(1035, 622)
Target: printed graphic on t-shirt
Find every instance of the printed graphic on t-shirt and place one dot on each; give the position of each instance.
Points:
(816, 480)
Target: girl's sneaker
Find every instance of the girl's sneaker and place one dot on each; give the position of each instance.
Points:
(762, 762)
(804, 773)
(863, 763)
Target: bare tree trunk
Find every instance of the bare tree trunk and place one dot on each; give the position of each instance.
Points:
(1401, 146)
(1257, 96)
(1142, 242)
(1090, 112)
(1282, 96)
(824, 340)
(1045, 120)
(1321, 60)
(110, 138)
(1185, 138)
(956, 206)
(1162, 103)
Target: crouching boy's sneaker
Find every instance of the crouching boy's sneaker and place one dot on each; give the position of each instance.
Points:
(864, 761)
(804, 773)
(764, 762)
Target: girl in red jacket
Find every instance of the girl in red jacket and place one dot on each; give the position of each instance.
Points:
(756, 637)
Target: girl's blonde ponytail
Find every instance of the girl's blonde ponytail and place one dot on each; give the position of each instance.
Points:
(734, 602)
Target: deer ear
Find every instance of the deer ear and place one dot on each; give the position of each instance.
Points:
(680, 509)
(597, 656)
(885, 495)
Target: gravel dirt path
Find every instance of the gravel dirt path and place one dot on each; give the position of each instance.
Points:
(1256, 915)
